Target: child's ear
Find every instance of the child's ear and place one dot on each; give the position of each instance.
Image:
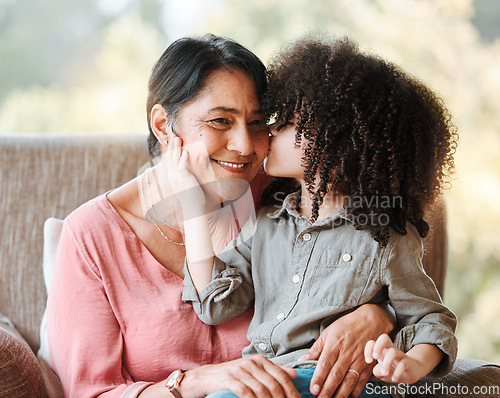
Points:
(160, 125)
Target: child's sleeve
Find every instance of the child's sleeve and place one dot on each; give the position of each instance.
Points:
(420, 313)
(231, 291)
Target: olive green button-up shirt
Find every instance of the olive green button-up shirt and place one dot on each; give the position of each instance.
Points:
(301, 277)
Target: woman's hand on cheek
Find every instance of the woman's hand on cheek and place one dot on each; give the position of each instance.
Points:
(340, 348)
(253, 377)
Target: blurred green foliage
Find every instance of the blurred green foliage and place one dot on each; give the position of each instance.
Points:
(83, 66)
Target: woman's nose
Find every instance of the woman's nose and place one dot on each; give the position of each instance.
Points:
(241, 141)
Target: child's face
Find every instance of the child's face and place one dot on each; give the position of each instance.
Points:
(284, 158)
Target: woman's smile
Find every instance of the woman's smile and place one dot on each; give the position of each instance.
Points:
(233, 167)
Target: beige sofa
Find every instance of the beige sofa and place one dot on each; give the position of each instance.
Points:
(44, 176)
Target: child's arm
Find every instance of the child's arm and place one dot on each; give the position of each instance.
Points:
(397, 367)
(230, 292)
(199, 250)
(199, 247)
(421, 315)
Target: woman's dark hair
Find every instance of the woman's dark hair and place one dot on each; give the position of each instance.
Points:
(179, 74)
(372, 132)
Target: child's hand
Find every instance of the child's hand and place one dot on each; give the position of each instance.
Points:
(178, 162)
(394, 366)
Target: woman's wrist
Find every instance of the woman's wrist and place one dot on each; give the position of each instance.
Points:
(189, 387)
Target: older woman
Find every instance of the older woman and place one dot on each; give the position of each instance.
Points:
(117, 323)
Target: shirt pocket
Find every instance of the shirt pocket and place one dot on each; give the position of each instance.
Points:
(340, 278)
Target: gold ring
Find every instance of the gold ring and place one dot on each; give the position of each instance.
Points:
(352, 370)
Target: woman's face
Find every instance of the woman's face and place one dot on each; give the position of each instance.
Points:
(226, 120)
(285, 158)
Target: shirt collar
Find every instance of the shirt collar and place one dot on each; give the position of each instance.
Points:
(290, 206)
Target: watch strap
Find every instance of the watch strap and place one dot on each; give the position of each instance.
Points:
(174, 392)
(173, 382)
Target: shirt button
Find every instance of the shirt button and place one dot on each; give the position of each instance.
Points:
(262, 346)
(280, 315)
(347, 257)
(307, 237)
(296, 279)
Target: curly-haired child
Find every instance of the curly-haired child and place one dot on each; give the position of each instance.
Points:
(369, 148)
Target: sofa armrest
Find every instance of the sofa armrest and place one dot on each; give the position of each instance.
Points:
(469, 378)
(20, 373)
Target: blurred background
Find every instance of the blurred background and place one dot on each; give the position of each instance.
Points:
(83, 65)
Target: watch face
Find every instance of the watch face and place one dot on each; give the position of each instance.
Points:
(172, 379)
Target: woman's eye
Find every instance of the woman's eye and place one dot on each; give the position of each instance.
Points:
(258, 125)
(220, 120)
(219, 123)
(258, 122)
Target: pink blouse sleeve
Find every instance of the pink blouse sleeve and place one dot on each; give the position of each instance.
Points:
(85, 338)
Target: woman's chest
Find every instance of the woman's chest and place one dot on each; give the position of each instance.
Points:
(161, 333)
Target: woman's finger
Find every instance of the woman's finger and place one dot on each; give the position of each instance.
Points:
(323, 372)
(315, 351)
(273, 377)
(234, 378)
(265, 379)
(348, 383)
(362, 380)
(264, 385)
(240, 389)
(254, 384)
(282, 379)
(357, 375)
(334, 378)
(292, 373)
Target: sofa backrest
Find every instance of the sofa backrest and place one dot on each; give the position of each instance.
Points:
(44, 176)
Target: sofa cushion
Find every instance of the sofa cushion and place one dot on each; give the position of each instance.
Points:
(20, 374)
(51, 233)
(470, 378)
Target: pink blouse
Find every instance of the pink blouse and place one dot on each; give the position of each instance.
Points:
(116, 321)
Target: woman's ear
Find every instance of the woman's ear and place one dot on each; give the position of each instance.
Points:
(160, 125)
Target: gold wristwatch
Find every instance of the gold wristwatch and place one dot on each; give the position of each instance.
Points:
(173, 382)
